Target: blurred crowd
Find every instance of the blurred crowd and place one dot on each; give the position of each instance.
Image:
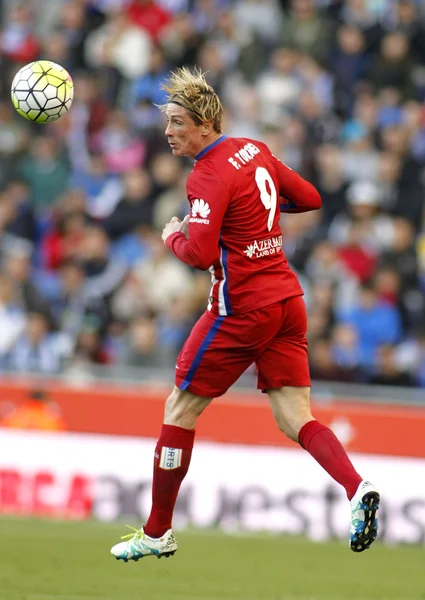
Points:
(337, 91)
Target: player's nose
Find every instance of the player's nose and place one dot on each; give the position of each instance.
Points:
(168, 131)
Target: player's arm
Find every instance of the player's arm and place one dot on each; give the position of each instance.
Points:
(297, 194)
(208, 199)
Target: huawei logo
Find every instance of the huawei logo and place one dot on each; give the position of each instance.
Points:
(200, 209)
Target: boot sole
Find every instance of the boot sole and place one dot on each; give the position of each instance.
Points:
(363, 540)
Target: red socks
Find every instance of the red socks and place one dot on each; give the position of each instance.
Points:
(174, 450)
(325, 447)
(171, 463)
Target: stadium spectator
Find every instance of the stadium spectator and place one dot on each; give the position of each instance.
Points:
(387, 369)
(301, 233)
(348, 63)
(409, 357)
(86, 120)
(170, 202)
(375, 228)
(360, 158)
(149, 16)
(102, 189)
(36, 350)
(393, 67)
(153, 284)
(143, 348)
(17, 257)
(69, 27)
(18, 42)
(13, 140)
(120, 48)
(324, 265)
(89, 350)
(103, 271)
(46, 170)
(121, 148)
(37, 412)
(16, 216)
(76, 303)
(375, 321)
(12, 318)
(324, 366)
(357, 258)
(402, 255)
(262, 17)
(408, 20)
(240, 47)
(307, 30)
(181, 39)
(147, 88)
(60, 243)
(279, 87)
(134, 207)
(330, 182)
(345, 348)
(165, 170)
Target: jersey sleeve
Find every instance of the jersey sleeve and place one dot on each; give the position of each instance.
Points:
(209, 199)
(296, 194)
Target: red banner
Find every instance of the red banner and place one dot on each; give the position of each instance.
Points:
(234, 418)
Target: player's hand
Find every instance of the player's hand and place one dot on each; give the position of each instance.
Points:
(174, 226)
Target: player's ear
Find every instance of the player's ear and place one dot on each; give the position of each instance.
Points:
(206, 127)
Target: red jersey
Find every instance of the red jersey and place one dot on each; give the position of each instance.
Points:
(236, 192)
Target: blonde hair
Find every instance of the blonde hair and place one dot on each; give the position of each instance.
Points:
(191, 91)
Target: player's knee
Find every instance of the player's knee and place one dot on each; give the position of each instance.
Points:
(292, 427)
(288, 430)
(182, 409)
(291, 409)
(176, 411)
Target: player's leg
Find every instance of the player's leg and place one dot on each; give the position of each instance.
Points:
(284, 373)
(206, 368)
(171, 463)
(172, 457)
(291, 409)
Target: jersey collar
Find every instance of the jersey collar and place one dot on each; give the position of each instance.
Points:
(210, 147)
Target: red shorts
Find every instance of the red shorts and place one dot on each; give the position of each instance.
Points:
(220, 349)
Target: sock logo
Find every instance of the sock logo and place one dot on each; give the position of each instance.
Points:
(171, 458)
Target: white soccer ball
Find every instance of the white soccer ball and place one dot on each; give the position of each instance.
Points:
(42, 91)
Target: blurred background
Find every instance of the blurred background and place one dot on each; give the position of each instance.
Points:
(93, 307)
(336, 89)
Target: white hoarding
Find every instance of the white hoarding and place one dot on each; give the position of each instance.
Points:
(232, 487)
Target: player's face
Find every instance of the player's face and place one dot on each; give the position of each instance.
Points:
(184, 136)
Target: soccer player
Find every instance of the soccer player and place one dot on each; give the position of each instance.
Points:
(255, 313)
